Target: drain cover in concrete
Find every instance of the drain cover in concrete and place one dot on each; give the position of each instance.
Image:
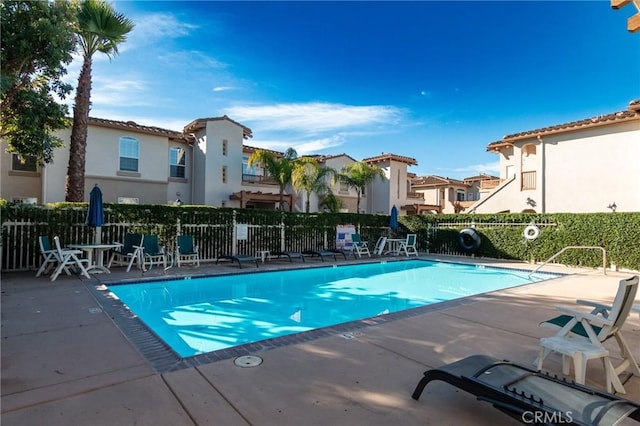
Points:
(248, 361)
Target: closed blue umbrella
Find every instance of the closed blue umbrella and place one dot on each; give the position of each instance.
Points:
(95, 213)
(393, 219)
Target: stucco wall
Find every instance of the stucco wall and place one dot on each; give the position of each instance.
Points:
(215, 191)
(18, 184)
(581, 171)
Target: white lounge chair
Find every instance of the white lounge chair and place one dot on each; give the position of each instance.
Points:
(593, 328)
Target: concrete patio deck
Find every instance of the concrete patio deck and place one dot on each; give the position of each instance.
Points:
(65, 362)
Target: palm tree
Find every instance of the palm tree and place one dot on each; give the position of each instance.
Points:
(100, 29)
(309, 176)
(358, 175)
(279, 168)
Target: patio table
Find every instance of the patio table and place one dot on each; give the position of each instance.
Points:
(394, 246)
(95, 254)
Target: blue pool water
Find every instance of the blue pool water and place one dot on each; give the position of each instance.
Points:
(200, 315)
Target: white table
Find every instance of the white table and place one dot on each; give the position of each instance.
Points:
(263, 254)
(394, 246)
(581, 351)
(95, 254)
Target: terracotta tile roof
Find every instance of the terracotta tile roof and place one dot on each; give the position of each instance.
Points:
(433, 180)
(632, 113)
(200, 123)
(251, 149)
(481, 176)
(131, 125)
(324, 158)
(385, 157)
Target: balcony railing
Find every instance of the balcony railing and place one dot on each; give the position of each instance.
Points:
(489, 183)
(268, 180)
(528, 180)
(415, 195)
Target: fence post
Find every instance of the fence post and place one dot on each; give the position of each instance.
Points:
(234, 235)
(282, 234)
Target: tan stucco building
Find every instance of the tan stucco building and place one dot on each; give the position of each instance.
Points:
(590, 165)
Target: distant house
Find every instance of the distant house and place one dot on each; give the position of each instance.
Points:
(396, 190)
(447, 195)
(140, 164)
(206, 164)
(590, 165)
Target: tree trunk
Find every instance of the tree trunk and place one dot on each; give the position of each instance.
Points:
(281, 199)
(308, 203)
(74, 190)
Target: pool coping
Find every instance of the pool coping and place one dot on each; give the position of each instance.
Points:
(163, 359)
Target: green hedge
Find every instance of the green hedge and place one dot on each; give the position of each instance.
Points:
(502, 236)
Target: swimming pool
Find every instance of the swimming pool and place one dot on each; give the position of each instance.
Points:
(200, 315)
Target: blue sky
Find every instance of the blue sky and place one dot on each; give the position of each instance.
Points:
(436, 81)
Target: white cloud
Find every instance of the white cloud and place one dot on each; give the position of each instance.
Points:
(315, 126)
(223, 88)
(492, 168)
(302, 147)
(192, 59)
(151, 28)
(314, 118)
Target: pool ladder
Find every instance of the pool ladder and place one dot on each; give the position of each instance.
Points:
(604, 257)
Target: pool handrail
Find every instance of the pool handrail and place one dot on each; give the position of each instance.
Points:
(604, 258)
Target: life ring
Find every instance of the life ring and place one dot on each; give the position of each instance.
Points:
(469, 240)
(531, 232)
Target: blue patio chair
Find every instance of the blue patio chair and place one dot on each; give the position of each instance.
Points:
(152, 252)
(186, 251)
(128, 252)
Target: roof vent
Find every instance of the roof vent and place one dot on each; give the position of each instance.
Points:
(132, 123)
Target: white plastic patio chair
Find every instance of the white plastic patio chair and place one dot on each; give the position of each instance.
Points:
(49, 256)
(597, 326)
(379, 248)
(69, 257)
(360, 247)
(409, 245)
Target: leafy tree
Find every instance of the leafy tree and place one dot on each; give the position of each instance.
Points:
(358, 175)
(280, 168)
(331, 202)
(101, 29)
(37, 43)
(309, 176)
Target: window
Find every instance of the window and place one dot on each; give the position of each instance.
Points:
(224, 174)
(343, 187)
(177, 162)
(23, 164)
(129, 154)
(470, 196)
(224, 147)
(128, 200)
(459, 195)
(25, 200)
(246, 170)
